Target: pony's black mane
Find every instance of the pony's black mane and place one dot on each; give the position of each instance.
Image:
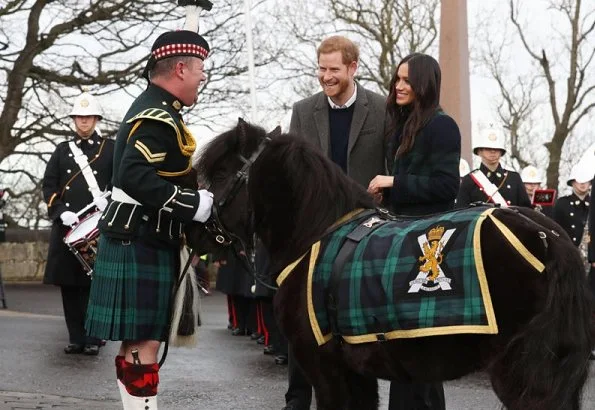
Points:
(297, 193)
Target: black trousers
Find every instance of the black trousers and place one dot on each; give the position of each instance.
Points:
(74, 301)
(403, 396)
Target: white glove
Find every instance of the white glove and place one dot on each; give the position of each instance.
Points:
(100, 202)
(204, 207)
(69, 218)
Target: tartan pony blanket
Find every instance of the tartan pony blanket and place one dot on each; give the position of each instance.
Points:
(402, 279)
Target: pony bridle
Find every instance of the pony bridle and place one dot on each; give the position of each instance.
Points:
(213, 225)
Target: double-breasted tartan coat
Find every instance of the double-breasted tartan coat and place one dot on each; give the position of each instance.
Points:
(426, 179)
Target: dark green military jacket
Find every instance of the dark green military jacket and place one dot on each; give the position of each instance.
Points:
(151, 198)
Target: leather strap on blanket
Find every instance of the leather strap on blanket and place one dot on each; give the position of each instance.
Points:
(351, 242)
(358, 213)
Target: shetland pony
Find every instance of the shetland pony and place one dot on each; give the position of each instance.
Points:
(289, 197)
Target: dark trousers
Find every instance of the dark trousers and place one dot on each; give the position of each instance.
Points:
(403, 396)
(243, 313)
(74, 301)
(416, 396)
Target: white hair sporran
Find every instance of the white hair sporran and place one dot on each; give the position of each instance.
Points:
(186, 305)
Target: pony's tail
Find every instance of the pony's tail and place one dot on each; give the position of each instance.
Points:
(185, 317)
(547, 363)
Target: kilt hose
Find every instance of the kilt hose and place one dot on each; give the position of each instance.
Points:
(131, 291)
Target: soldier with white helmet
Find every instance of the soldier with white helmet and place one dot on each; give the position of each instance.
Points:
(532, 179)
(490, 148)
(76, 175)
(571, 210)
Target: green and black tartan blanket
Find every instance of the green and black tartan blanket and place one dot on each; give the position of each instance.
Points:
(407, 278)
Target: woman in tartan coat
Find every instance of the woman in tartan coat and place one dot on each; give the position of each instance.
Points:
(425, 152)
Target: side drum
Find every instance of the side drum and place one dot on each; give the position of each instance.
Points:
(82, 240)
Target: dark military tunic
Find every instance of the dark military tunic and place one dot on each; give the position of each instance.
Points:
(65, 189)
(142, 226)
(509, 185)
(570, 212)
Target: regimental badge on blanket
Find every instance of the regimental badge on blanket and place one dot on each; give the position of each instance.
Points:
(431, 275)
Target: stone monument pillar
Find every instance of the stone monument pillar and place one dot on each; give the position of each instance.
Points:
(454, 62)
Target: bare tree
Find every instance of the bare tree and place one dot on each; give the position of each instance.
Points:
(51, 49)
(563, 67)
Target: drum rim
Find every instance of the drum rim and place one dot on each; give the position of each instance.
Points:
(95, 214)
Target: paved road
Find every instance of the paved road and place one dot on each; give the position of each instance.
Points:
(222, 373)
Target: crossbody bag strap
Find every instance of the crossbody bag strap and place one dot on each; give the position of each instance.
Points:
(81, 160)
(488, 188)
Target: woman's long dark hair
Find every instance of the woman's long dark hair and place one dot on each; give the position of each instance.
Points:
(424, 77)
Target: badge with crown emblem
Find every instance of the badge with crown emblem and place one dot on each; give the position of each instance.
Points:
(431, 276)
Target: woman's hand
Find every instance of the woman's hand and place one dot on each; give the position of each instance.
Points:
(379, 183)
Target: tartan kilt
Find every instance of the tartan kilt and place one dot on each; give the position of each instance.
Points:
(131, 291)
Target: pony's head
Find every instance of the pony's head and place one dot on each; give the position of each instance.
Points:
(223, 168)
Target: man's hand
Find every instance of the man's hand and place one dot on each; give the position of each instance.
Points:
(100, 202)
(204, 207)
(69, 218)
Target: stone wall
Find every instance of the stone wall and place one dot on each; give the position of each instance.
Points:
(23, 255)
(22, 262)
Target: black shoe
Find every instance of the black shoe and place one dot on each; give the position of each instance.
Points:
(260, 340)
(74, 348)
(281, 359)
(255, 336)
(91, 350)
(270, 349)
(238, 332)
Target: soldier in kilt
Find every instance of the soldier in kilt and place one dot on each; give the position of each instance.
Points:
(142, 226)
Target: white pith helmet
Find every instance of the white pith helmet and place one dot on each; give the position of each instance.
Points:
(531, 175)
(85, 104)
(580, 173)
(490, 138)
(463, 168)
